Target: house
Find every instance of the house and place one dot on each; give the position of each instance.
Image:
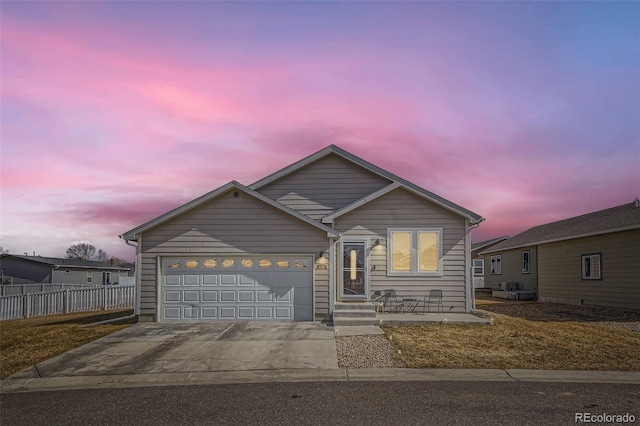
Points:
(53, 270)
(478, 259)
(330, 228)
(593, 259)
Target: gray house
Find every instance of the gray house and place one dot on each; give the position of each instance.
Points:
(478, 259)
(53, 270)
(593, 259)
(330, 228)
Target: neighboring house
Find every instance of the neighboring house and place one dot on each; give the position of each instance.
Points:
(593, 259)
(329, 228)
(52, 270)
(478, 259)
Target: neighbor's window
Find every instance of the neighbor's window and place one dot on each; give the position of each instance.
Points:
(478, 266)
(89, 277)
(525, 262)
(415, 251)
(591, 266)
(496, 264)
(67, 272)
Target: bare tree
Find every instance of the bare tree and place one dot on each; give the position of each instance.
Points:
(102, 255)
(3, 250)
(83, 251)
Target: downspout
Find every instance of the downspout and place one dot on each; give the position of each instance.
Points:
(469, 266)
(138, 265)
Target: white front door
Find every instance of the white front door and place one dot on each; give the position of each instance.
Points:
(355, 273)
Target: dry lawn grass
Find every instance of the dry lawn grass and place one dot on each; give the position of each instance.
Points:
(513, 342)
(26, 342)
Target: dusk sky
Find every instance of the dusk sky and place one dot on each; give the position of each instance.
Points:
(116, 112)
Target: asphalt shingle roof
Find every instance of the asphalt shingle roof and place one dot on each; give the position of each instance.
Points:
(56, 261)
(626, 216)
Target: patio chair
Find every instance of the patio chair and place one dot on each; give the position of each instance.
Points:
(434, 297)
(391, 302)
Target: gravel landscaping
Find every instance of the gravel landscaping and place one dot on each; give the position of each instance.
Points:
(366, 352)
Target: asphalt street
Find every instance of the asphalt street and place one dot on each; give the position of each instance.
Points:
(326, 403)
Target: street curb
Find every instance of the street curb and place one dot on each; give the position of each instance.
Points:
(315, 375)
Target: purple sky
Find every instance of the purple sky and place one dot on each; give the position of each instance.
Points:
(115, 112)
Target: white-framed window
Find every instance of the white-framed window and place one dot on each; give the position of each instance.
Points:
(67, 272)
(414, 251)
(496, 264)
(478, 267)
(525, 262)
(592, 266)
(89, 277)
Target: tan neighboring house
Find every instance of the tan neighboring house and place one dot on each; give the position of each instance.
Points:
(478, 259)
(331, 228)
(593, 259)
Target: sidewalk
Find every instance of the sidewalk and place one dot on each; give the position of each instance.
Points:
(315, 375)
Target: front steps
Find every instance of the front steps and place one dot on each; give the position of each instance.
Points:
(354, 314)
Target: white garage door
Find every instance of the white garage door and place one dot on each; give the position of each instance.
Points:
(234, 287)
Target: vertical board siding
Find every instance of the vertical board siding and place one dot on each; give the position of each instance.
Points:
(324, 186)
(512, 269)
(232, 226)
(399, 208)
(560, 270)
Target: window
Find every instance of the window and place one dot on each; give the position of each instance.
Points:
(591, 266)
(210, 263)
(525, 262)
(191, 264)
(478, 266)
(415, 251)
(228, 263)
(264, 263)
(496, 264)
(67, 272)
(247, 263)
(89, 277)
(282, 264)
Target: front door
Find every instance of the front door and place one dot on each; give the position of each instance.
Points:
(354, 271)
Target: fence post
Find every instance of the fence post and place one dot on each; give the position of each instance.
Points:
(104, 298)
(65, 303)
(27, 304)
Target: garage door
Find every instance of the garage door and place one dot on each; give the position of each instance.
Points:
(232, 288)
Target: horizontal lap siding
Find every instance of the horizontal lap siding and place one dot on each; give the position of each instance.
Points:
(324, 186)
(400, 208)
(560, 270)
(512, 269)
(230, 225)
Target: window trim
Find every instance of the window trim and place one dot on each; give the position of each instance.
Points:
(498, 258)
(89, 277)
(414, 272)
(528, 269)
(583, 269)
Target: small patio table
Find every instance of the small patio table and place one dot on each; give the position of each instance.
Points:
(409, 304)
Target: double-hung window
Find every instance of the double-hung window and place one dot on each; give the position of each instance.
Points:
(478, 267)
(592, 266)
(496, 264)
(415, 251)
(89, 277)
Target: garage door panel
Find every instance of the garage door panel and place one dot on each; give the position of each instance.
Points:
(209, 296)
(242, 287)
(227, 295)
(209, 280)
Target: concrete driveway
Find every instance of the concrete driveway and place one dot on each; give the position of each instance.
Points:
(154, 348)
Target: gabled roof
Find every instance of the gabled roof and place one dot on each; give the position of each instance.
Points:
(68, 263)
(615, 219)
(486, 243)
(133, 233)
(332, 149)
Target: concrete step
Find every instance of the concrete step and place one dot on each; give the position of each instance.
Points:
(354, 314)
(342, 322)
(366, 306)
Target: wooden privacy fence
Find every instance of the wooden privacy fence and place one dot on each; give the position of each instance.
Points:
(66, 301)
